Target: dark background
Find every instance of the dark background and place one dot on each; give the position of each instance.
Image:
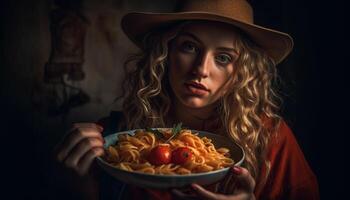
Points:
(314, 93)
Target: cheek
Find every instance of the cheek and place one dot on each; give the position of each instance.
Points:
(227, 86)
(223, 79)
(181, 63)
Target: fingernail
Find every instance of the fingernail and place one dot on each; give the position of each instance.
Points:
(237, 170)
(194, 186)
(99, 126)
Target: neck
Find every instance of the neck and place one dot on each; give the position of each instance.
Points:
(205, 119)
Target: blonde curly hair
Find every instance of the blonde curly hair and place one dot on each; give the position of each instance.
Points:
(248, 112)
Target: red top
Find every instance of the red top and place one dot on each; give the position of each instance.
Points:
(290, 175)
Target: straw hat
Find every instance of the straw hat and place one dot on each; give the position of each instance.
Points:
(237, 13)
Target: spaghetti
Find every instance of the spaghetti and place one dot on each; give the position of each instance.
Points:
(130, 153)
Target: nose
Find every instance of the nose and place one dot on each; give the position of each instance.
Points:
(202, 65)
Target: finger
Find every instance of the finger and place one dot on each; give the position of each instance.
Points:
(80, 150)
(73, 139)
(93, 126)
(87, 125)
(244, 179)
(206, 194)
(85, 162)
(83, 126)
(231, 187)
(228, 184)
(183, 196)
(224, 182)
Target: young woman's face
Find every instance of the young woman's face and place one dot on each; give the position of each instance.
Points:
(201, 63)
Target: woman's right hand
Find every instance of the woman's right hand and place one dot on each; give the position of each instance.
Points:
(82, 144)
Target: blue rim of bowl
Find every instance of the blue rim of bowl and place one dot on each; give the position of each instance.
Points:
(173, 176)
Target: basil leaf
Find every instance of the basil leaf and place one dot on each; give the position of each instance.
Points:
(175, 130)
(156, 132)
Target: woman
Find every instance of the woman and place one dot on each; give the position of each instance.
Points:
(212, 69)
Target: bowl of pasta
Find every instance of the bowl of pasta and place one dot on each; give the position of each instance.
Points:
(164, 158)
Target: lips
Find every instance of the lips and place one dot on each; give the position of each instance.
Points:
(197, 89)
(197, 85)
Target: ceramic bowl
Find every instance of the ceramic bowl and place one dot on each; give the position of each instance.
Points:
(173, 181)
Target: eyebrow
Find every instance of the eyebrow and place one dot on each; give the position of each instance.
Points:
(190, 35)
(199, 41)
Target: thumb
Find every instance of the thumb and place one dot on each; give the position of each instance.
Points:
(245, 182)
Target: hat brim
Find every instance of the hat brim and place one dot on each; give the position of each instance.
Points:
(276, 44)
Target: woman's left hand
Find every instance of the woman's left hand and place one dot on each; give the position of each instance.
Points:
(239, 187)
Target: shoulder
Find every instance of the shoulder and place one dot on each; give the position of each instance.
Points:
(286, 157)
(283, 144)
(283, 135)
(280, 133)
(288, 163)
(289, 172)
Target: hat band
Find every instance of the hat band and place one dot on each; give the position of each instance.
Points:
(235, 9)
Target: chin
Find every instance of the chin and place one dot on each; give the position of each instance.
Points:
(194, 102)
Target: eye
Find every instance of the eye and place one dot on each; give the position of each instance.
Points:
(189, 47)
(223, 59)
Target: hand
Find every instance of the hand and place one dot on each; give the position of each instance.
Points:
(80, 147)
(238, 185)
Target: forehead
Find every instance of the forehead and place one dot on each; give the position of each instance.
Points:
(213, 32)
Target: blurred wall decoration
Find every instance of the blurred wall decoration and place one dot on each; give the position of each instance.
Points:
(65, 65)
(83, 72)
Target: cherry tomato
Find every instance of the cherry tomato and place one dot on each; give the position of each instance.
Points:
(181, 155)
(160, 155)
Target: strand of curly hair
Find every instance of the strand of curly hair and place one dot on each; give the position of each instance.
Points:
(250, 110)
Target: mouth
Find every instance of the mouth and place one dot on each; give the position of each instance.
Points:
(196, 88)
(197, 85)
